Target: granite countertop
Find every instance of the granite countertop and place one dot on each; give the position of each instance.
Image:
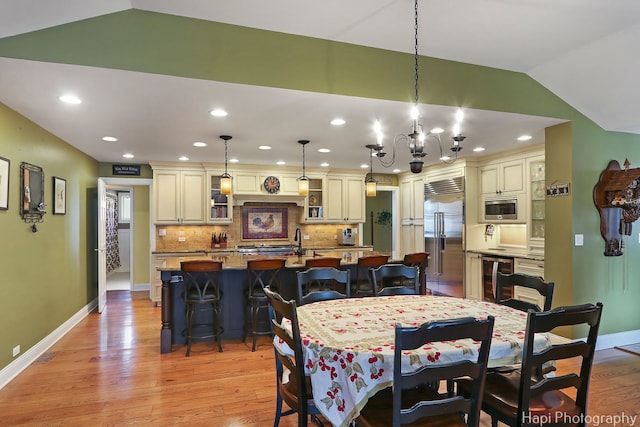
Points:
(322, 249)
(232, 261)
(508, 252)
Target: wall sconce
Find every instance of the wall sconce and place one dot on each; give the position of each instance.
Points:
(303, 181)
(225, 178)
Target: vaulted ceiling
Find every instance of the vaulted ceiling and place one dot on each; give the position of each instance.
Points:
(581, 50)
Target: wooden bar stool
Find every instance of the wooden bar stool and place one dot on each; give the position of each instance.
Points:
(202, 292)
(260, 274)
(363, 285)
(420, 260)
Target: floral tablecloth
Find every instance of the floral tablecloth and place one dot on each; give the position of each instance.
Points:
(348, 344)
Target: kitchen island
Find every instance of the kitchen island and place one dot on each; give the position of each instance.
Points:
(234, 278)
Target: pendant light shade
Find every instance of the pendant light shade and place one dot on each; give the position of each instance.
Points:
(225, 178)
(303, 181)
(372, 184)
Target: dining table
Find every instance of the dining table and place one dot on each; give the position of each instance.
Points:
(348, 344)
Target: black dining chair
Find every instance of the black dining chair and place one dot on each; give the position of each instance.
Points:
(322, 283)
(395, 279)
(522, 397)
(420, 260)
(294, 389)
(362, 284)
(505, 287)
(410, 401)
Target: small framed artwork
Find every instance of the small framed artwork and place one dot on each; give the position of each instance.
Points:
(264, 223)
(59, 196)
(4, 184)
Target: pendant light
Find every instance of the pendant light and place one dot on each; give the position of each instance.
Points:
(303, 181)
(372, 184)
(225, 178)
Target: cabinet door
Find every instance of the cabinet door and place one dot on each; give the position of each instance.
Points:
(335, 188)
(489, 180)
(473, 276)
(166, 186)
(418, 198)
(220, 208)
(512, 176)
(193, 196)
(354, 204)
(406, 200)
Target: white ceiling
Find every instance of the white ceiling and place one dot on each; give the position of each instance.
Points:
(579, 49)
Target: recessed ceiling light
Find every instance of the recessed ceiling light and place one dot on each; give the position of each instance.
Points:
(128, 156)
(264, 147)
(234, 160)
(396, 171)
(338, 122)
(183, 158)
(70, 99)
(478, 149)
(109, 138)
(363, 166)
(324, 165)
(280, 163)
(218, 112)
(524, 138)
(323, 150)
(445, 158)
(199, 144)
(436, 130)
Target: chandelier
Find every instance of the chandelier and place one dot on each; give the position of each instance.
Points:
(416, 140)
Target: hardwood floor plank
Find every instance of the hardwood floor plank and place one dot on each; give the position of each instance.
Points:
(108, 371)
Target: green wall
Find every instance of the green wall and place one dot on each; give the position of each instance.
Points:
(156, 43)
(141, 230)
(49, 275)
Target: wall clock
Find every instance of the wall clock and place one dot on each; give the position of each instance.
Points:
(272, 184)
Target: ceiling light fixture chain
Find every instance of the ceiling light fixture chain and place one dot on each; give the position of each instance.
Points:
(417, 138)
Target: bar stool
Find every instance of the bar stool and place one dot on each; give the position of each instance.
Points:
(260, 273)
(320, 262)
(202, 287)
(363, 285)
(420, 260)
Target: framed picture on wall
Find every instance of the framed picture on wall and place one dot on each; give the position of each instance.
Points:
(4, 183)
(264, 223)
(59, 196)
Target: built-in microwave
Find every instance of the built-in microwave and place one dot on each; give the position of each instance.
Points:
(501, 209)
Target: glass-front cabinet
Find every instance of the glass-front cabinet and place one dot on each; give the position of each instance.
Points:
(314, 210)
(220, 206)
(537, 187)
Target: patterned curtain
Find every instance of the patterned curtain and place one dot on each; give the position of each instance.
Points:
(113, 248)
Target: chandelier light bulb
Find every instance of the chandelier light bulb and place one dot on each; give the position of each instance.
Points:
(456, 129)
(415, 112)
(459, 115)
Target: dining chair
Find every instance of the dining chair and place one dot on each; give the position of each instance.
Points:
(395, 279)
(294, 388)
(410, 401)
(321, 284)
(260, 274)
(505, 284)
(202, 292)
(332, 262)
(522, 398)
(420, 260)
(362, 285)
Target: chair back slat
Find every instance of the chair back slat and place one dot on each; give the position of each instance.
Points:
(321, 284)
(395, 279)
(363, 285)
(508, 282)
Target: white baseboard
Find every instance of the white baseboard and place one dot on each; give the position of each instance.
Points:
(28, 357)
(141, 287)
(618, 339)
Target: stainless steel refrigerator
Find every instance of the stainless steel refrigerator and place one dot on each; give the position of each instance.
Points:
(444, 236)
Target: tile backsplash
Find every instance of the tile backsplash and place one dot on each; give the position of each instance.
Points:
(198, 237)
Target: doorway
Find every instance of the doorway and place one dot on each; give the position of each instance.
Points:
(119, 224)
(381, 229)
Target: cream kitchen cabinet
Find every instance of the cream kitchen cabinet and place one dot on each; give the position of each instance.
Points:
(345, 199)
(412, 214)
(473, 276)
(502, 179)
(314, 209)
(157, 261)
(220, 206)
(536, 200)
(179, 196)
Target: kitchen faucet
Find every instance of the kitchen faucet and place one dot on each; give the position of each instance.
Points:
(298, 238)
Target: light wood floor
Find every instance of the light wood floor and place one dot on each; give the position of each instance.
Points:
(108, 371)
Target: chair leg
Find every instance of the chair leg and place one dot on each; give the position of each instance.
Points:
(217, 322)
(190, 310)
(255, 309)
(494, 422)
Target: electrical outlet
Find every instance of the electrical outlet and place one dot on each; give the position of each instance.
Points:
(162, 232)
(306, 237)
(335, 237)
(182, 239)
(16, 350)
(579, 239)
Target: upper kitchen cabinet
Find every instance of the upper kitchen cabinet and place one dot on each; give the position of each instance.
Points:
(314, 205)
(536, 211)
(179, 196)
(502, 179)
(412, 213)
(346, 203)
(220, 209)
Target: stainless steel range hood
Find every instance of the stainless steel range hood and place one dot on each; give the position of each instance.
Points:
(241, 199)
